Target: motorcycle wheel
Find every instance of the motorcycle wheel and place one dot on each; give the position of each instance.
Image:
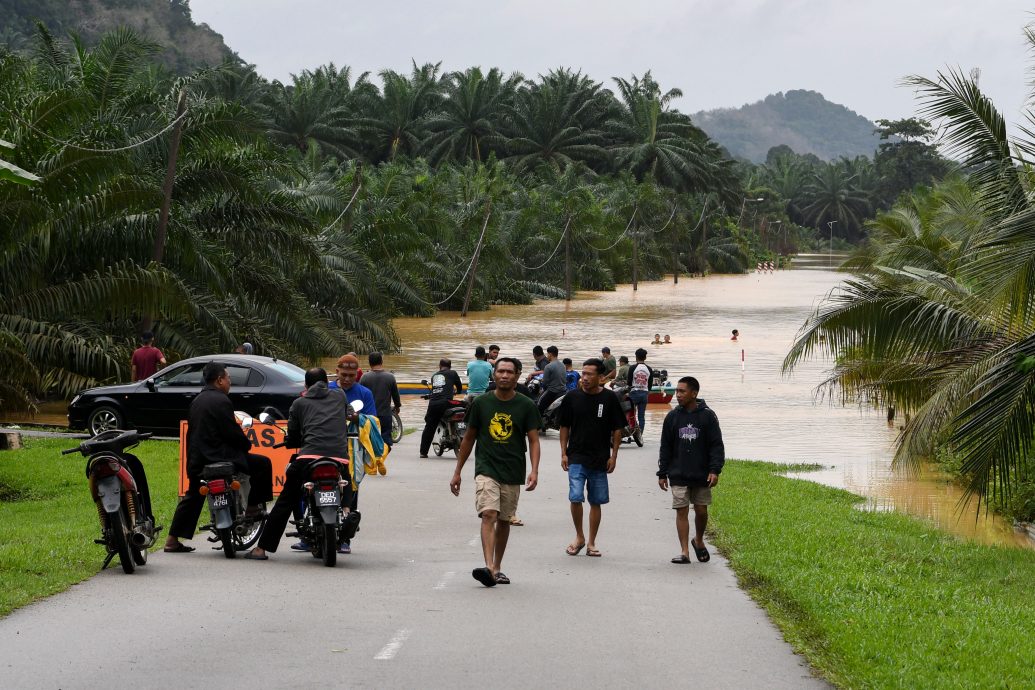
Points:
(226, 536)
(330, 545)
(247, 533)
(638, 437)
(437, 445)
(120, 540)
(397, 427)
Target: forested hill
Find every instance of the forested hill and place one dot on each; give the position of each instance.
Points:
(803, 120)
(186, 45)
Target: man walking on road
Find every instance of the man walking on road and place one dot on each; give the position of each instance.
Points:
(638, 379)
(591, 422)
(690, 459)
(386, 397)
(499, 422)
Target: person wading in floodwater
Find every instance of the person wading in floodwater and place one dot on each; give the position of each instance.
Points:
(498, 424)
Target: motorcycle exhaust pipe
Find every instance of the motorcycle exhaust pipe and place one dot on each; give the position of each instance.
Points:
(139, 539)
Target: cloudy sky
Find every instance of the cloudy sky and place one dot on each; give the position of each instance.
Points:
(721, 53)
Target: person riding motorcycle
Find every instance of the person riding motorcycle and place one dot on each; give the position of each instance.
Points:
(214, 436)
(316, 426)
(445, 385)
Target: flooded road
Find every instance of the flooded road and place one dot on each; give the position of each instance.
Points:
(764, 415)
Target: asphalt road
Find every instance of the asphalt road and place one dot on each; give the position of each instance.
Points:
(402, 610)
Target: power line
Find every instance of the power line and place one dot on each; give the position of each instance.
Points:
(563, 233)
(342, 214)
(624, 232)
(88, 149)
(477, 246)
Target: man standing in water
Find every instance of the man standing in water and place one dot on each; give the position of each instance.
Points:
(690, 459)
(591, 422)
(497, 425)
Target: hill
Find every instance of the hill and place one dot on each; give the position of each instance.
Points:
(803, 120)
(187, 45)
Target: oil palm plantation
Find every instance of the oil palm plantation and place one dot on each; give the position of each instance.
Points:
(469, 126)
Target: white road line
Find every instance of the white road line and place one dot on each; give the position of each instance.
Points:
(445, 580)
(389, 651)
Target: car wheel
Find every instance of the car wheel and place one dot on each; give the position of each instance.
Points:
(104, 418)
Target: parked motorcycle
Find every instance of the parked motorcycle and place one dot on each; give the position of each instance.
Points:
(631, 431)
(231, 525)
(126, 531)
(551, 417)
(323, 523)
(451, 426)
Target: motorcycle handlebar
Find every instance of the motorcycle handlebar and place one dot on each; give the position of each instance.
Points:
(70, 451)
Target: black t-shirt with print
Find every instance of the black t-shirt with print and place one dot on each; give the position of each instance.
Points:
(591, 420)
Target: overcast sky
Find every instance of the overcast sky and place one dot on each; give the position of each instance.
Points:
(721, 53)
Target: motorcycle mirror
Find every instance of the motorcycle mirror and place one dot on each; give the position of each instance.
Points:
(266, 418)
(245, 419)
(423, 382)
(356, 405)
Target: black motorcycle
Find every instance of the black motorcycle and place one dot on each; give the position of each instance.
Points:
(451, 426)
(323, 523)
(231, 525)
(127, 529)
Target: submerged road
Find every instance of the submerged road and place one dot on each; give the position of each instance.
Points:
(402, 610)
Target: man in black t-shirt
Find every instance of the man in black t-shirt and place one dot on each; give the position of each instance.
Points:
(445, 384)
(591, 422)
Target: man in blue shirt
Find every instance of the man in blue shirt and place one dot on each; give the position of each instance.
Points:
(348, 367)
(479, 372)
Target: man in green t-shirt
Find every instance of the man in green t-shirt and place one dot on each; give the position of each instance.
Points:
(499, 422)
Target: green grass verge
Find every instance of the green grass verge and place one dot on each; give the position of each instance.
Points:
(876, 600)
(48, 521)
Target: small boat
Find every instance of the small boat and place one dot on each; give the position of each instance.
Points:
(660, 395)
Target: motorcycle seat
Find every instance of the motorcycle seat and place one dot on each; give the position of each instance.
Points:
(217, 470)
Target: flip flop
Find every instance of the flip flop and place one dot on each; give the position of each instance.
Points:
(502, 579)
(681, 559)
(484, 575)
(701, 552)
(575, 551)
(252, 557)
(516, 521)
(179, 548)
(595, 553)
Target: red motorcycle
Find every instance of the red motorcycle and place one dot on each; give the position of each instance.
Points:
(631, 431)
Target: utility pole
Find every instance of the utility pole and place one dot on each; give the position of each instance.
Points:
(636, 259)
(567, 261)
(675, 255)
(474, 262)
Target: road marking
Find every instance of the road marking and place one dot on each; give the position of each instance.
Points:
(473, 542)
(389, 651)
(445, 580)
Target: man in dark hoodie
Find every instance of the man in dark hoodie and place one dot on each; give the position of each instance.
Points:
(316, 426)
(690, 459)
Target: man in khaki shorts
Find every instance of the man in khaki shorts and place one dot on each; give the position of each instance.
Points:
(690, 459)
(499, 421)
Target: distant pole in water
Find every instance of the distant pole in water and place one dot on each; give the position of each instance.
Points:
(742, 360)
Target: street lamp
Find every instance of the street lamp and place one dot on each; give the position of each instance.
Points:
(830, 253)
(743, 204)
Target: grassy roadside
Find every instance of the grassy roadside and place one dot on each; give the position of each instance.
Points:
(48, 521)
(876, 599)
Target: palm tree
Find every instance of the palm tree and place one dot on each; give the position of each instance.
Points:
(469, 125)
(832, 195)
(953, 342)
(556, 121)
(397, 124)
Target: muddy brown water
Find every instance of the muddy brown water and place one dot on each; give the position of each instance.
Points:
(765, 415)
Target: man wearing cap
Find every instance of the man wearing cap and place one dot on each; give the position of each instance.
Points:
(610, 365)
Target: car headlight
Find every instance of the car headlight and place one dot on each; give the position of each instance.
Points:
(74, 401)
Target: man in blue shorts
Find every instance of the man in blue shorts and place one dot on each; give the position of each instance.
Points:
(591, 420)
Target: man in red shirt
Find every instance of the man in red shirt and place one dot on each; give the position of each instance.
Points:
(146, 358)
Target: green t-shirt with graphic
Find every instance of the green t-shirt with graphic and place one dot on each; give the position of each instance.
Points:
(499, 450)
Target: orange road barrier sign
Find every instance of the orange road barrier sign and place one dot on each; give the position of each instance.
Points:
(263, 438)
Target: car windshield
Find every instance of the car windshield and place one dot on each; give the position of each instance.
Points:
(293, 373)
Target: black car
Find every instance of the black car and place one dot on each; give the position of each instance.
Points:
(159, 403)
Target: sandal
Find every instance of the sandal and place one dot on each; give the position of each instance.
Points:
(516, 521)
(484, 575)
(575, 550)
(700, 551)
(252, 557)
(179, 548)
(502, 579)
(681, 559)
(595, 553)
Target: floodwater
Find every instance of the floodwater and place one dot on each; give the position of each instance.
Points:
(764, 414)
